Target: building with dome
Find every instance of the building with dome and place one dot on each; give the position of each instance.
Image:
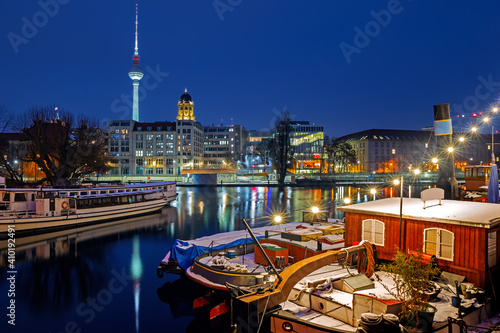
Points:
(166, 148)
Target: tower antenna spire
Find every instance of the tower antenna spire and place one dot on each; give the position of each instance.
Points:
(136, 24)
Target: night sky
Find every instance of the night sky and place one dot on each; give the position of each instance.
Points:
(348, 65)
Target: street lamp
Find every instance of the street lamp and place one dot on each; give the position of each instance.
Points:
(400, 183)
(277, 219)
(373, 192)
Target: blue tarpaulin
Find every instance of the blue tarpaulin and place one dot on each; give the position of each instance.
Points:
(493, 185)
(185, 252)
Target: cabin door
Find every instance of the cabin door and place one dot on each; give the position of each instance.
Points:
(52, 204)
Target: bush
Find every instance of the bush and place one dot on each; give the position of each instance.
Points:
(411, 277)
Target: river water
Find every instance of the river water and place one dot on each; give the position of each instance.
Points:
(103, 278)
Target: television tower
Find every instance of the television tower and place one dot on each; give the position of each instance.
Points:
(135, 73)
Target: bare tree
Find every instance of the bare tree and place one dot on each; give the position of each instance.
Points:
(62, 147)
(341, 154)
(5, 120)
(282, 153)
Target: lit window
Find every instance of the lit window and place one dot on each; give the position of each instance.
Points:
(393, 151)
(139, 153)
(373, 231)
(439, 242)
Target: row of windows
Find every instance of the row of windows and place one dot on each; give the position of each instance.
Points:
(157, 128)
(150, 137)
(437, 241)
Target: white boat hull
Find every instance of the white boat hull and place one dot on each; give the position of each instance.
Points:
(86, 216)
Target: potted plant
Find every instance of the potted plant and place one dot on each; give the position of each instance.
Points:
(411, 277)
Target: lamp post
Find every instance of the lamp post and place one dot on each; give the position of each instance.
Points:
(400, 183)
(373, 192)
(277, 219)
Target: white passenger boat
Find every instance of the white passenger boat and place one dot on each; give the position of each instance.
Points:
(30, 209)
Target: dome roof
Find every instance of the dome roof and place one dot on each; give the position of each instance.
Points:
(185, 98)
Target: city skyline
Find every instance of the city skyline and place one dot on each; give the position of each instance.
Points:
(386, 64)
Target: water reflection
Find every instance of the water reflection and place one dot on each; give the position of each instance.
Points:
(136, 273)
(60, 270)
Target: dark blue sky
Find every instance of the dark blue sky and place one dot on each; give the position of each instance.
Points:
(249, 58)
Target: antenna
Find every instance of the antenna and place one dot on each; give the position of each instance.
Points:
(136, 23)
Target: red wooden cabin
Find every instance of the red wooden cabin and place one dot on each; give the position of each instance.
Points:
(463, 235)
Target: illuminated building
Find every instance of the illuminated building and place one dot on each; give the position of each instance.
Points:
(307, 144)
(383, 150)
(223, 144)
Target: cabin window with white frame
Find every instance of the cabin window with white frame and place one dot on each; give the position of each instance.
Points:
(439, 242)
(373, 231)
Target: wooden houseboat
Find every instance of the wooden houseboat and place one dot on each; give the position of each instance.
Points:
(463, 235)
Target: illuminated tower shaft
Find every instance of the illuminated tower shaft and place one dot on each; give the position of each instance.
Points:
(443, 132)
(135, 73)
(135, 105)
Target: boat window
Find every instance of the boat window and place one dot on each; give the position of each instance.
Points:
(439, 242)
(72, 203)
(84, 193)
(32, 196)
(87, 203)
(480, 172)
(80, 204)
(131, 199)
(373, 231)
(111, 191)
(120, 191)
(102, 192)
(72, 194)
(115, 201)
(20, 197)
(139, 198)
(6, 196)
(123, 200)
(93, 192)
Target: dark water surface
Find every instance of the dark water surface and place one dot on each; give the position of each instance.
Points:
(103, 278)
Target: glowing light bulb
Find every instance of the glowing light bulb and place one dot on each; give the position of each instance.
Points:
(450, 149)
(373, 191)
(396, 181)
(474, 129)
(461, 139)
(434, 160)
(277, 219)
(416, 171)
(315, 210)
(347, 201)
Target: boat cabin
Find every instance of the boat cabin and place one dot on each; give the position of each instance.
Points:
(463, 235)
(477, 177)
(17, 201)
